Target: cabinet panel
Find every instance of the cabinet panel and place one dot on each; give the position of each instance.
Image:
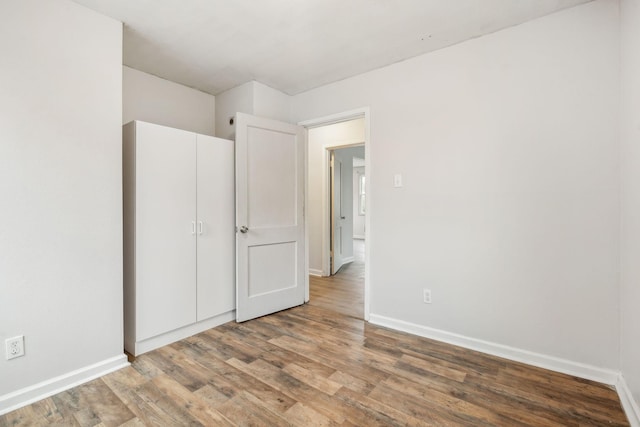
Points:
(165, 229)
(216, 227)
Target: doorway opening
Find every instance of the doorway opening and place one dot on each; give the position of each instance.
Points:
(345, 211)
(337, 207)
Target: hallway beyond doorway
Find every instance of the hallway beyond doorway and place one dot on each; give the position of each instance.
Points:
(344, 291)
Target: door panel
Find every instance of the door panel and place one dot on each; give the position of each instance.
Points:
(342, 207)
(271, 178)
(216, 250)
(270, 207)
(338, 216)
(165, 229)
(271, 263)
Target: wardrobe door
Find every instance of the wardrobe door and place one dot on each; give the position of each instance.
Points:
(165, 229)
(216, 227)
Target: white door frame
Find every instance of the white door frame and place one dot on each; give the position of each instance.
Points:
(323, 121)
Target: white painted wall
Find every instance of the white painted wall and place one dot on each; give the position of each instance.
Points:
(509, 211)
(153, 99)
(271, 103)
(60, 186)
(251, 98)
(228, 103)
(358, 220)
(630, 155)
(321, 138)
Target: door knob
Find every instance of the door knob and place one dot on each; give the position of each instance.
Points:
(244, 229)
(342, 217)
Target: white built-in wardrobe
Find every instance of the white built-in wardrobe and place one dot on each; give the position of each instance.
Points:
(179, 234)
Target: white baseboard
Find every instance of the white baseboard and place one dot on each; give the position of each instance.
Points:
(314, 272)
(25, 396)
(581, 370)
(629, 404)
(180, 333)
(358, 237)
(552, 363)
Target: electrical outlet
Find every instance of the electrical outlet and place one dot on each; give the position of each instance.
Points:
(14, 347)
(426, 296)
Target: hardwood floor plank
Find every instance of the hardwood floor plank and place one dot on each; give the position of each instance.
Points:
(343, 323)
(454, 355)
(444, 371)
(26, 416)
(93, 403)
(320, 355)
(135, 422)
(192, 402)
(446, 403)
(335, 409)
(146, 368)
(159, 409)
(48, 411)
(227, 380)
(281, 357)
(230, 348)
(411, 407)
(211, 395)
(482, 393)
(389, 415)
(352, 383)
(172, 363)
(87, 417)
(245, 410)
(310, 378)
(302, 415)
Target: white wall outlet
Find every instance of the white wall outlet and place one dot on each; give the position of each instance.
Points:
(397, 180)
(426, 296)
(14, 347)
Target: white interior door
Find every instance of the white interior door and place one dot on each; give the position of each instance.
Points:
(269, 216)
(338, 216)
(215, 227)
(165, 229)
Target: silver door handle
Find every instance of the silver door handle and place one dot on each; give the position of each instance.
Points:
(342, 217)
(200, 227)
(244, 229)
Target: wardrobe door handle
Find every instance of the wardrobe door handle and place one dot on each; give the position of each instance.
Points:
(193, 227)
(200, 227)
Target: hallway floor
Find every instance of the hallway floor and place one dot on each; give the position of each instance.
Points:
(344, 291)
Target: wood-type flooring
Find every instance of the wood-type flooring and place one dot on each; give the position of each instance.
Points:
(344, 292)
(320, 364)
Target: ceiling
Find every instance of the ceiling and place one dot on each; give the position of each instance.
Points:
(297, 45)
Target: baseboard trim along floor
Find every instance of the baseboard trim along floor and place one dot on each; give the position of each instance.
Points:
(28, 395)
(580, 370)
